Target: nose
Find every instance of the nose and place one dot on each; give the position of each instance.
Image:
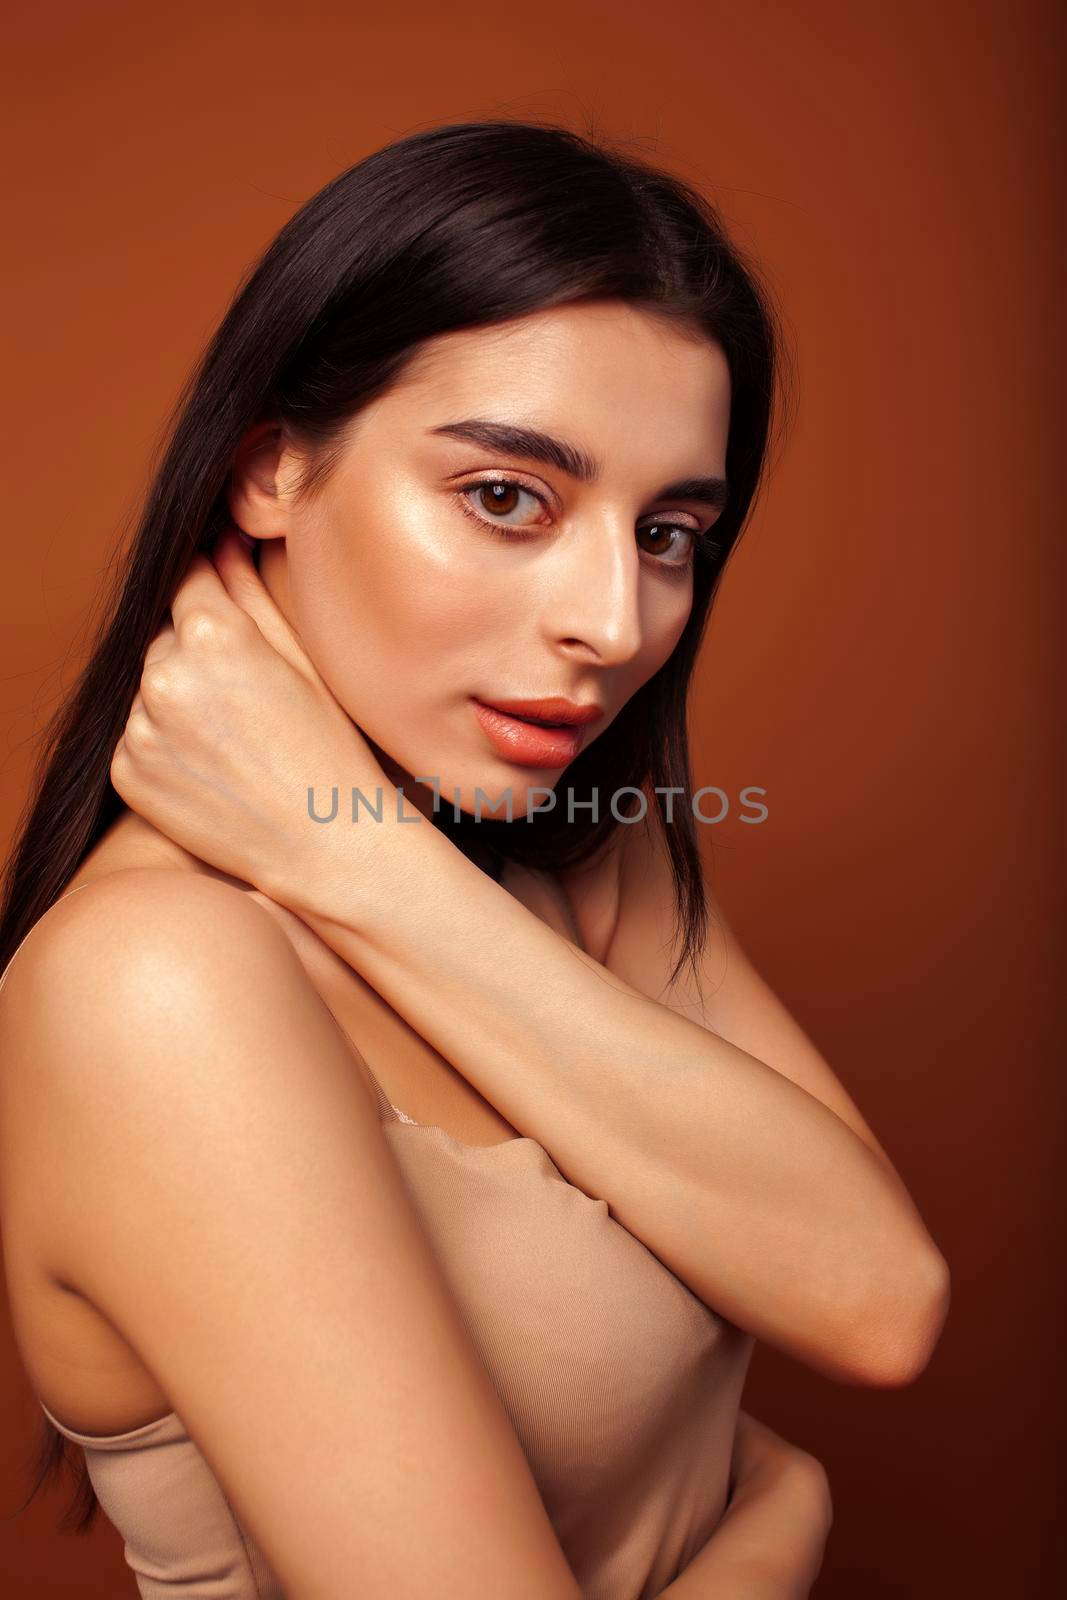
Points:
(594, 605)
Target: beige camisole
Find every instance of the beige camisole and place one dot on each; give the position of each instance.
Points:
(623, 1387)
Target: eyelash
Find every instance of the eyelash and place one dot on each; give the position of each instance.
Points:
(701, 539)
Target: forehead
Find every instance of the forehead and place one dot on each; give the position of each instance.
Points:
(605, 374)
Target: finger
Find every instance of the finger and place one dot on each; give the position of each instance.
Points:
(201, 589)
(135, 727)
(234, 564)
(161, 645)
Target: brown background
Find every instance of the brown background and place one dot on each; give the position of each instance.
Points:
(882, 656)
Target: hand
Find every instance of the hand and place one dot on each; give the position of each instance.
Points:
(770, 1540)
(232, 724)
(759, 1451)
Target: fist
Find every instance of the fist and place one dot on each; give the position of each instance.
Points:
(232, 724)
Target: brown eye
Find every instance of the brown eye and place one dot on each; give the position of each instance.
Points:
(498, 496)
(490, 500)
(665, 541)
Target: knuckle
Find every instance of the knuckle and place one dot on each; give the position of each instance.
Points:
(158, 682)
(205, 629)
(138, 730)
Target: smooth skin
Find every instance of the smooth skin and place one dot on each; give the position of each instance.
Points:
(151, 1257)
(241, 1223)
(757, 1182)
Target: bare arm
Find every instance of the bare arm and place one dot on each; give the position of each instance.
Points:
(771, 1208)
(761, 1194)
(229, 1203)
(769, 1544)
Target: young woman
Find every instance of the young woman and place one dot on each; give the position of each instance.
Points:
(407, 1217)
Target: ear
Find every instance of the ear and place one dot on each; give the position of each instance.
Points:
(255, 494)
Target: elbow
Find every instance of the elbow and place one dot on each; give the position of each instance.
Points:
(894, 1339)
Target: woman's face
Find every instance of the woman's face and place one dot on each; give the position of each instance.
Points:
(444, 565)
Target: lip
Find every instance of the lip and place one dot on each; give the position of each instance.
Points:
(525, 745)
(555, 709)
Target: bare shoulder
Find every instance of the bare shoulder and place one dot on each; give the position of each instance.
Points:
(247, 1232)
(145, 946)
(122, 917)
(152, 993)
(633, 885)
(726, 994)
(624, 896)
(135, 946)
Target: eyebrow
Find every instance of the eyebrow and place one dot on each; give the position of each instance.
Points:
(509, 438)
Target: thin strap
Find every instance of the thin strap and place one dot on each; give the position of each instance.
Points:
(37, 924)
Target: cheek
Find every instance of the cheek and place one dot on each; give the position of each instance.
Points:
(397, 614)
(665, 623)
(412, 564)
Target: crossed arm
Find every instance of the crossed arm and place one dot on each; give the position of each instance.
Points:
(740, 1163)
(720, 1137)
(765, 1192)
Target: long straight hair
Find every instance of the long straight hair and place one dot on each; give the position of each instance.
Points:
(462, 225)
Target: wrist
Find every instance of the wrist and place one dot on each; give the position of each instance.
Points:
(342, 863)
